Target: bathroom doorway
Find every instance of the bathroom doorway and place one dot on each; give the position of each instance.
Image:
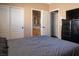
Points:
(36, 23)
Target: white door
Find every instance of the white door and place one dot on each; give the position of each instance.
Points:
(16, 23)
(4, 21)
(45, 23)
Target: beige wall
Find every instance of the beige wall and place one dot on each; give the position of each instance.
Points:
(27, 10)
(62, 7)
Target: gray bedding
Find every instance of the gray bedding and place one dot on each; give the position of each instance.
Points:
(42, 46)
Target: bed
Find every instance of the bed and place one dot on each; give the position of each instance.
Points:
(42, 46)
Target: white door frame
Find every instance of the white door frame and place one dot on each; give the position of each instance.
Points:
(54, 10)
(32, 19)
(58, 14)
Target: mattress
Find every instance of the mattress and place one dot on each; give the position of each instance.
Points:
(42, 46)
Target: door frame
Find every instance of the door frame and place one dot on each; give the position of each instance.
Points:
(58, 16)
(32, 19)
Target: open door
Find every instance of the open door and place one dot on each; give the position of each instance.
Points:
(45, 23)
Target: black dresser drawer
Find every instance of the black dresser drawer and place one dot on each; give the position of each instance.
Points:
(3, 47)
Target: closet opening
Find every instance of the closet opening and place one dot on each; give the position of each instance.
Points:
(54, 23)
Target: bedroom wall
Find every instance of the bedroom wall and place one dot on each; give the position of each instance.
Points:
(27, 11)
(62, 7)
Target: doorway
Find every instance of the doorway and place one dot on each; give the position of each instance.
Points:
(54, 23)
(36, 23)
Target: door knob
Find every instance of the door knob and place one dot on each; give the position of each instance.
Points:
(43, 27)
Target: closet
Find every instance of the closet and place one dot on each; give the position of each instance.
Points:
(11, 22)
(54, 23)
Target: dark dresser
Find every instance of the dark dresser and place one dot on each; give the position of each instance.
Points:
(3, 47)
